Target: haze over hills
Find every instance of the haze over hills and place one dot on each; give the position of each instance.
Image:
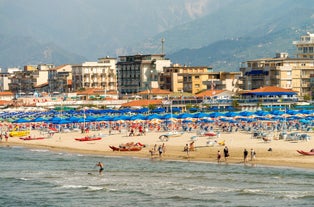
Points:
(88, 28)
(240, 31)
(216, 33)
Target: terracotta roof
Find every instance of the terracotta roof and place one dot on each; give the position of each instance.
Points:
(155, 91)
(142, 103)
(6, 93)
(96, 91)
(271, 89)
(91, 91)
(209, 93)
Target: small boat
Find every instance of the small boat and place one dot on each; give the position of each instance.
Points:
(86, 139)
(311, 152)
(266, 139)
(210, 134)
(31, 138)
(132, 148)
(18, 133)
(206, 134)
(165, 137)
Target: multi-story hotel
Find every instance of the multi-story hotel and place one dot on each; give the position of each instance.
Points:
(60, 79)
(312, 86)
(101, 74)
(139, 72)
(280, 71)
(193, 79)
(305, 46)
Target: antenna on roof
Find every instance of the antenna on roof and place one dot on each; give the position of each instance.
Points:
(162, 45)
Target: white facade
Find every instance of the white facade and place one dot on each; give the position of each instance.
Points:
(101, 74)
(305, 46)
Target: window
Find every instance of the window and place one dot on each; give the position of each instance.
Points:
(310, 49)
(197, 77)
(304, 49)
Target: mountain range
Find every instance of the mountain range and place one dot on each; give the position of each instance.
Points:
(221, 34)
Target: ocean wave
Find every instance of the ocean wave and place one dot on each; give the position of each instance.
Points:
(73, 186)
(39, 150)
(94, 188)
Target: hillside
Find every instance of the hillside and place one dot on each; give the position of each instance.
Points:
(227, 55)
(239, 32)
(92, 29)
(20, 51)
(237, 19)
(200, 32)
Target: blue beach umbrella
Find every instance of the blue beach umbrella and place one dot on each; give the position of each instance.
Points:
(185, 115)
(152, 116)
(200, 115)
(39, 119)
(21, 120)
(215, 114)
(246, 113)
(231, 114)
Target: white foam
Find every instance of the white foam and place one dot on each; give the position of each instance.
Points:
(94, 188)
(73, 186)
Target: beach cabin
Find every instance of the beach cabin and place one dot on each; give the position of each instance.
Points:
(268, 98)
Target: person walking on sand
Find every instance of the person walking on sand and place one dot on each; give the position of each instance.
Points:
(226, 153)
(253, 154)
(218, 156)
(245, 154)
(186, 149)
(163, 148)
(101, 167)
(160, 151)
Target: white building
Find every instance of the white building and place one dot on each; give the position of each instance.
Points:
(101, 74)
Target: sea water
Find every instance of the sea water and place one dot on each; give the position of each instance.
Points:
(33, 177)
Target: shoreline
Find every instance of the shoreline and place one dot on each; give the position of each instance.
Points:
(283, 153)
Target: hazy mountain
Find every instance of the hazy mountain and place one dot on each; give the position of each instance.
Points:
(20, 51)
(237, 19)
(198, 32)
(92, 28)
(239, 31)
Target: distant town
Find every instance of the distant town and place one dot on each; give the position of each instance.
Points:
(152, 80)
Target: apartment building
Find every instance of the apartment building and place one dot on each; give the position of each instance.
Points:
(281, 71)
(139, 72)
(312, 86)
(100, 74)
(60, 79)
(305, 46)
(193, 79)
(24, 82)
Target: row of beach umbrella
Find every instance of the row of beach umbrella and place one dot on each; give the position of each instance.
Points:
(88, 116)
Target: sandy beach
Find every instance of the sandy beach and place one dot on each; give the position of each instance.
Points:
(283, 153)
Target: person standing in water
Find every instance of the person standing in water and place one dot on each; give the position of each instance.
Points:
(101, 167)
(245, 154)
